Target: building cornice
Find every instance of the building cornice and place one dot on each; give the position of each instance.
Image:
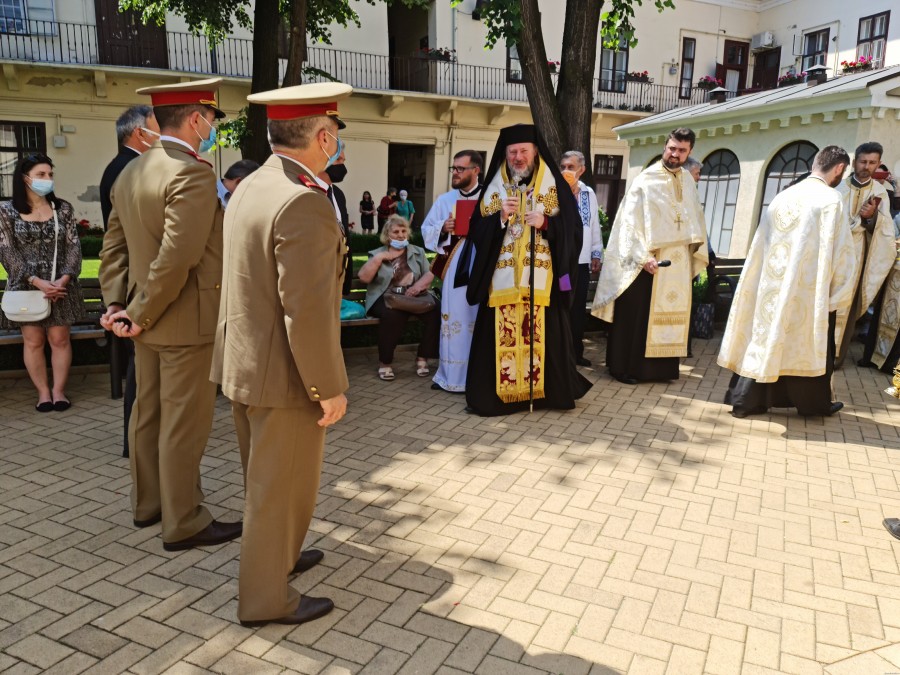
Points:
(747, 5)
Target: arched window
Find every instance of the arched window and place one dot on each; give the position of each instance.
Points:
(719, 183)
(792, 161)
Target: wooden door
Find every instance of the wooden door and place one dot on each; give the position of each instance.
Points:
(122, 40)
(766, 68)
(736, 56)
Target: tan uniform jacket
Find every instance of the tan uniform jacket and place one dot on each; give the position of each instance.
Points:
(162, 255)
(278, 342)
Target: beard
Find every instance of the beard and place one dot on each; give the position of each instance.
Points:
(672, 163)
(520, 176)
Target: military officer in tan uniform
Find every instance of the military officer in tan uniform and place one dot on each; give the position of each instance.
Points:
(161, 271)
(278, 348)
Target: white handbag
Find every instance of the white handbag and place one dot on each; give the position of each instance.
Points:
(31, 306)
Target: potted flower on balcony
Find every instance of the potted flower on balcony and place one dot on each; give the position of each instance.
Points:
(861, 64)
(553, 66)
(439, 53)
(790, 78)
(709, 83)
(637, 76)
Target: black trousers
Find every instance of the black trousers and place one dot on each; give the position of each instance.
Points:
(390, 330)
(578, 312)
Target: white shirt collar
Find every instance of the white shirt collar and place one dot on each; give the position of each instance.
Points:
(179, 141)
(325, 186)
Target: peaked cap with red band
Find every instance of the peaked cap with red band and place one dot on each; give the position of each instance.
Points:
(304, 100)
(198, 92)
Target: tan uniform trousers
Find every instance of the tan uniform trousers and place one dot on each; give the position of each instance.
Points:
(170, 425)
(281, 449)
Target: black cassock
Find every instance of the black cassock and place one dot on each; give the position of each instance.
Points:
(563, 384)
(626, 341)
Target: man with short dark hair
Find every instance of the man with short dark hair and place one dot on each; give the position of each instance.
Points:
(799, 272)
(452, 265)
(136, 130)
(645, 286)
(233, 177)
(868, 217)
(161, 271)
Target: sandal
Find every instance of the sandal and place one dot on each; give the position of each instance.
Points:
(386, 373)
(422, 368)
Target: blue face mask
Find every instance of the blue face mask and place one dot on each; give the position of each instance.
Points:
(207, 144)
(41, 186)
(399, 243)
(337, 153)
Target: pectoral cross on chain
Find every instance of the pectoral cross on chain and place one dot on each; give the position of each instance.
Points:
(678, 220)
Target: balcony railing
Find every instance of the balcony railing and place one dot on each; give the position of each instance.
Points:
(68, 43)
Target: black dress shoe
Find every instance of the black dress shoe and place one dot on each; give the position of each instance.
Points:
(62, 405)
(741, 414)
(581, 361)
(46, 406)
(308, 559)
(625, 379)
(892, 525)
(213, 534)
(150, 521)
(833, 408)
(837, 405)
(865, 363)
(309, 609)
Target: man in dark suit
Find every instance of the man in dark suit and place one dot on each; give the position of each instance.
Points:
(136, 130)
(331, 175)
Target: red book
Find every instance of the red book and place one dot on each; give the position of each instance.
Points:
(465, 209)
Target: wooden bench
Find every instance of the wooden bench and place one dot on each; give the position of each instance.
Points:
(87, 329)
(358, 294)
(723, 279)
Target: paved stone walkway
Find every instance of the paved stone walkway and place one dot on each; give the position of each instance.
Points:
(645, 532)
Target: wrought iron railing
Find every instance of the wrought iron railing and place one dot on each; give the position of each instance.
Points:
(69, 43)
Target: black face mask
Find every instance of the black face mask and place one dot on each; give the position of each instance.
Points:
(337, 172)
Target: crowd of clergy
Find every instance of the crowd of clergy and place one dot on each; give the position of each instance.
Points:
(822, 258)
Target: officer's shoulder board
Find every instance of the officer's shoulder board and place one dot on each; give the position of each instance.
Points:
(310, 183)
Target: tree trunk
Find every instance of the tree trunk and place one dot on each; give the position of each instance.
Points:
(575, 92)
(266, 20)
(297, 44)
(538, 85)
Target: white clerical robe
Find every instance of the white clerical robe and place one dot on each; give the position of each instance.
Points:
(875, 252)
(660, 217)
(800, 267)
(457, 315)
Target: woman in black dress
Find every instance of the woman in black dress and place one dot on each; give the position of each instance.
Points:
(367, 212)
(27, 240)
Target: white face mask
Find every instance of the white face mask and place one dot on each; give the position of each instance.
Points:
(151, 132)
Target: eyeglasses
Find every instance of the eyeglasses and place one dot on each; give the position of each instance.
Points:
(459, 169)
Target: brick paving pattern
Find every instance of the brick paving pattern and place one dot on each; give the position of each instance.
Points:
(645, 532)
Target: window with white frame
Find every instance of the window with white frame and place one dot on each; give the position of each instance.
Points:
(513, 63)
(815, 48)
(13, 18)
(18, 139)
(872, 38)
(614, 67)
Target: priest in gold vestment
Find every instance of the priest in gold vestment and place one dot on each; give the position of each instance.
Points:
(649, 306)
(867, 214)
(799, 272)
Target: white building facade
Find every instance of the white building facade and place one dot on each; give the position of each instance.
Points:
(71, 66)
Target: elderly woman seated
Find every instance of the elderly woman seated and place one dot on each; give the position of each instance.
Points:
(398, 277)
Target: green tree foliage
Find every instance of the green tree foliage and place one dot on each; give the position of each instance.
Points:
(563, 115)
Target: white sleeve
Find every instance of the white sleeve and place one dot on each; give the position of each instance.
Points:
(432, 226)
(596, 235)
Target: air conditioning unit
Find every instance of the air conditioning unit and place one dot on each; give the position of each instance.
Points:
(762, 40)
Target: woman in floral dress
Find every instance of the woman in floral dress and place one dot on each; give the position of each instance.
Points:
(26, 253)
